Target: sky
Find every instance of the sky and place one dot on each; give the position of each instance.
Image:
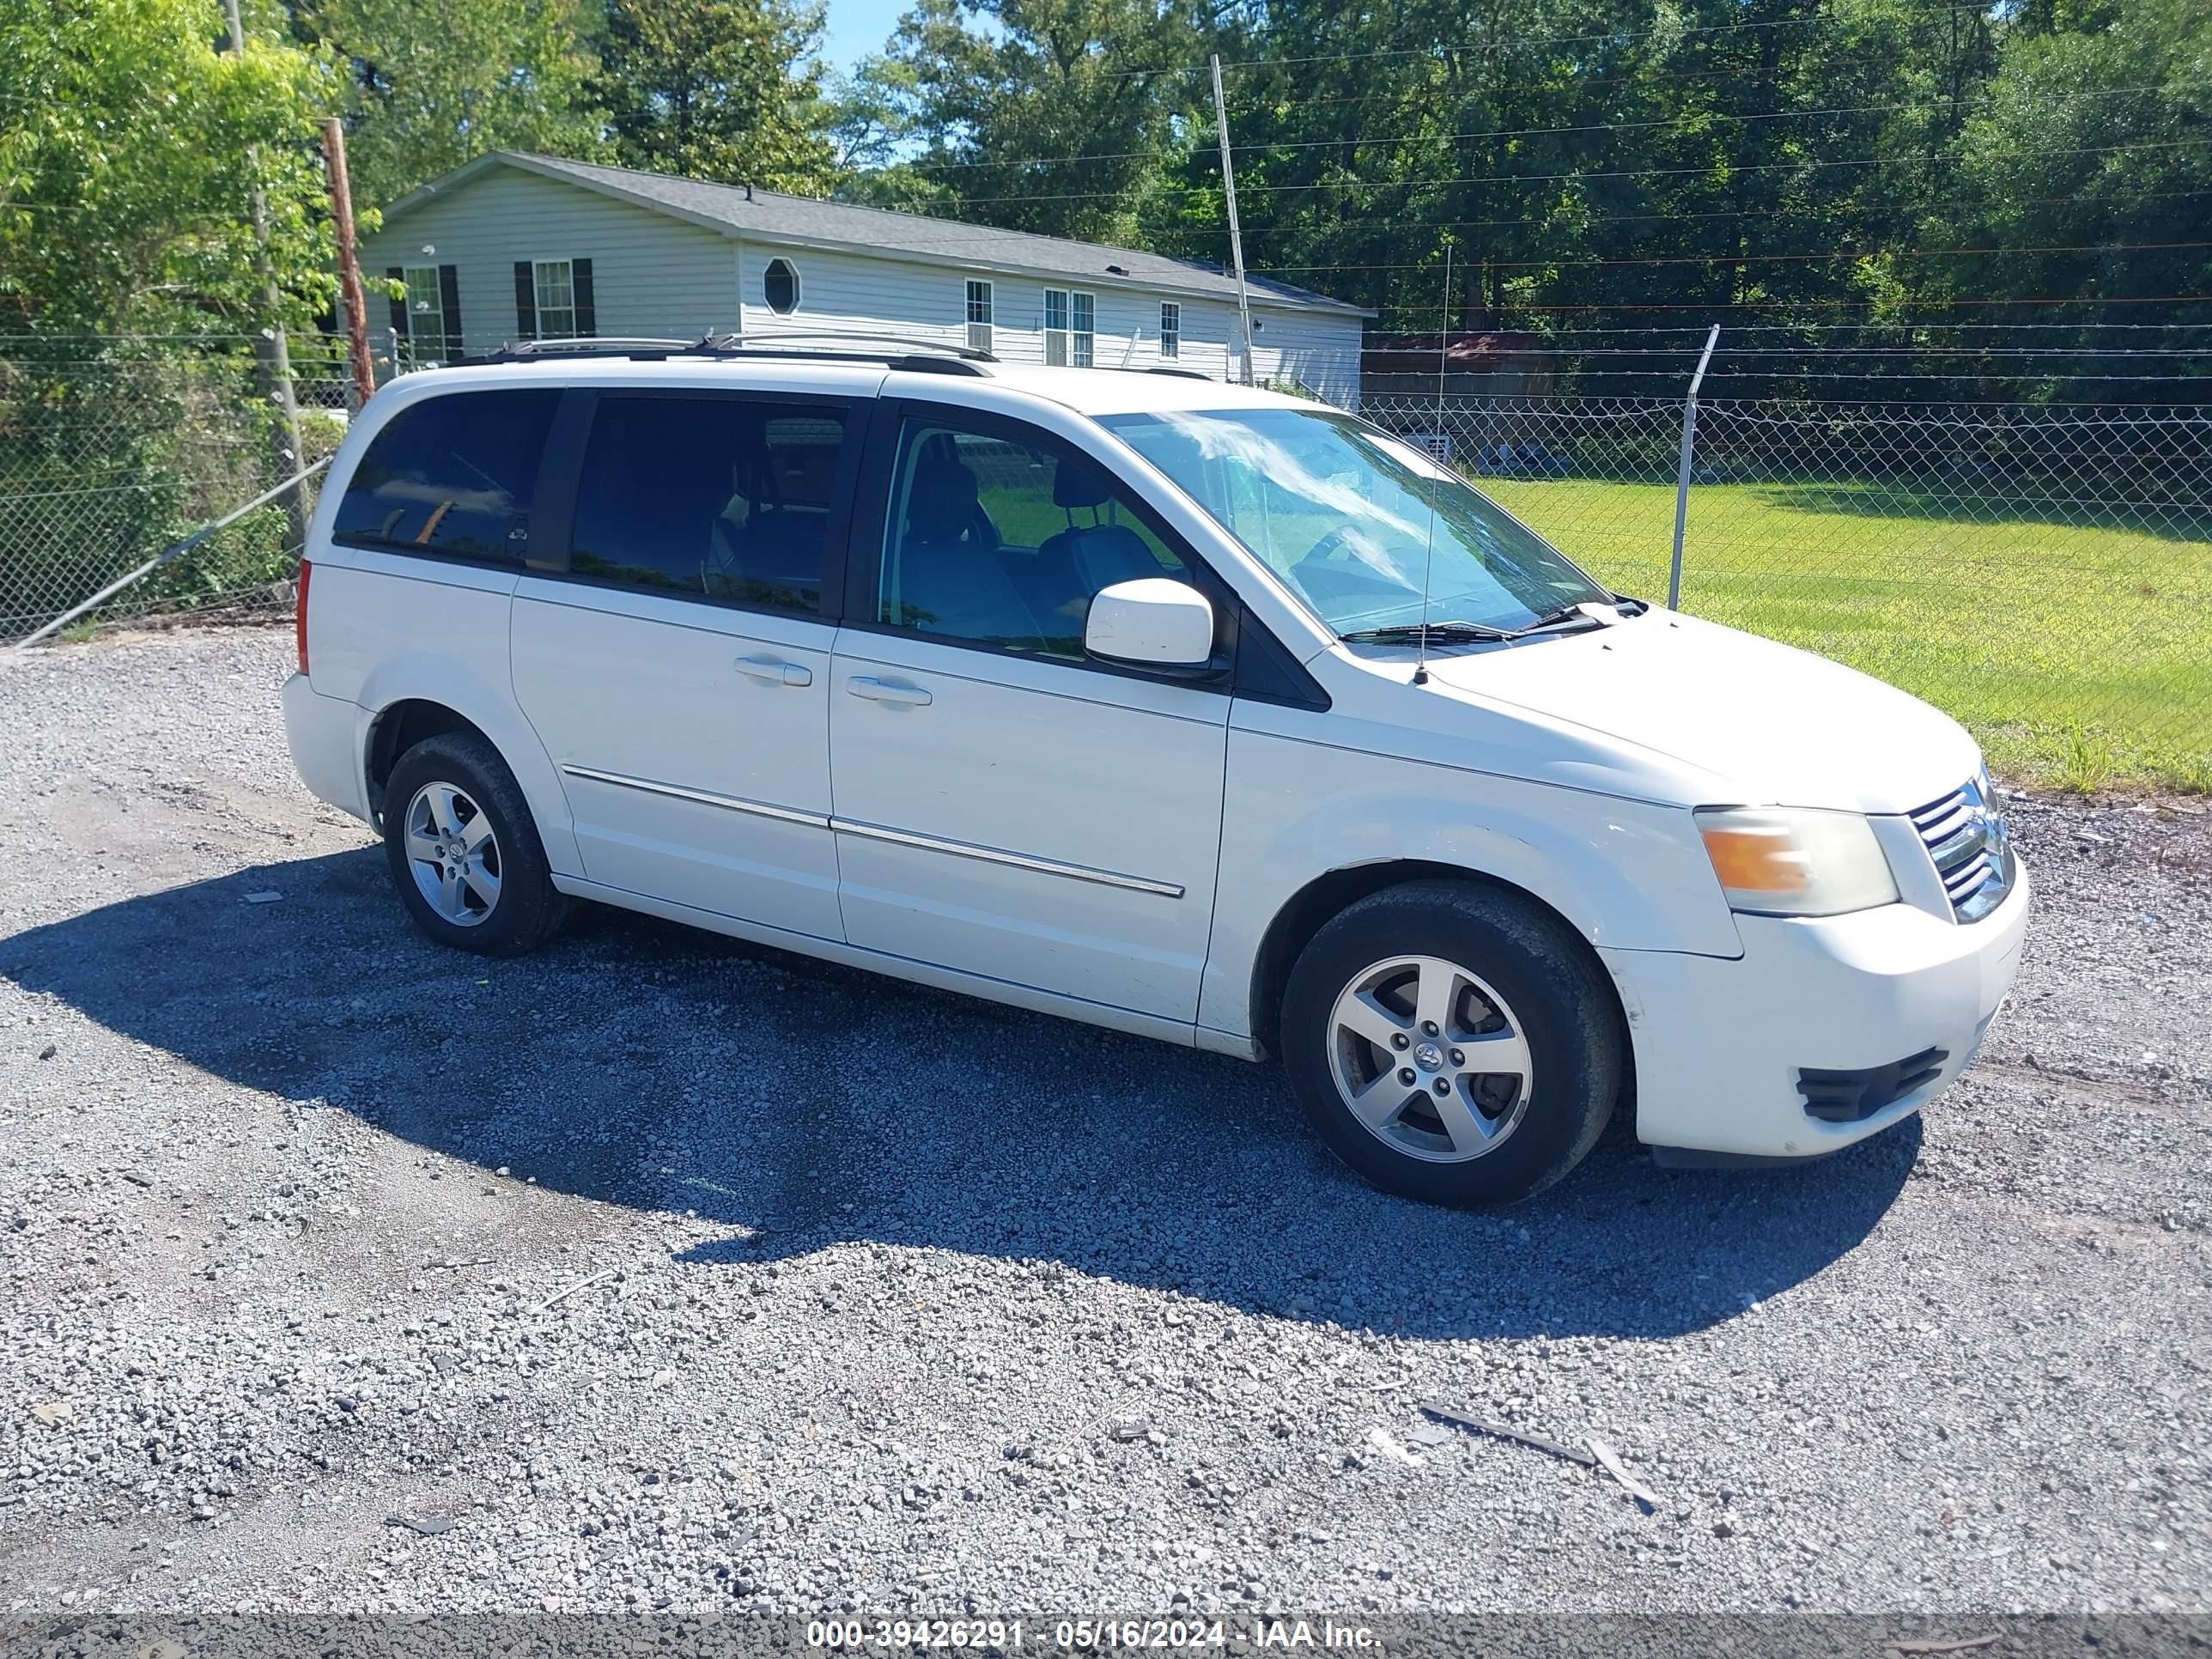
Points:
(856, 28)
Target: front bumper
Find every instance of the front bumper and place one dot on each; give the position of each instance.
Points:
(1721, 1046)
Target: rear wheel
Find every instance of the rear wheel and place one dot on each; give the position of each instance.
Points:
(1452, 1042)
(464, 850)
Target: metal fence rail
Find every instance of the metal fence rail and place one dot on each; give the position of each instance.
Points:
(2042, 572)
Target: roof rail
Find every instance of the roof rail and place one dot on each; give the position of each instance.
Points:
(600, 345)
(872, 343)
(1179, 373)
(894, 351)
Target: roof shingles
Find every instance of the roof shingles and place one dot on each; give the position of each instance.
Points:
(802, 219)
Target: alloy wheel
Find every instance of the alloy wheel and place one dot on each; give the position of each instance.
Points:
(1429, 1059)
(453, 852)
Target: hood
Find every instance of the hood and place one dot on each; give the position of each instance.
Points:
(1782, 727)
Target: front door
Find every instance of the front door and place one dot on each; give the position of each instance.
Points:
(678, 672)
(1004, 806)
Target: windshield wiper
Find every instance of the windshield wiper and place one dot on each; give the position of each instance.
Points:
(1436, 633)
(1558, 616)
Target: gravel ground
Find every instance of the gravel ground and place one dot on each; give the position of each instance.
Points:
(677, 1273)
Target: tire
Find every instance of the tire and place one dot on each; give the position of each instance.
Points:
(1491, 1119)
(504, 902)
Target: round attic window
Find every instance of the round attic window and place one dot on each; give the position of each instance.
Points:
(779, 287)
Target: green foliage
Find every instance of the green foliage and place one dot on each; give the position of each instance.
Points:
(705, 89)
(997, 93)
(428, 87)
(128, 142)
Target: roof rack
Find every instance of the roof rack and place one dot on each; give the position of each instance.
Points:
(872, 343)
(893, 350)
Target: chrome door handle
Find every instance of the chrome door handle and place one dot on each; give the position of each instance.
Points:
(912, 696)
(774, 671)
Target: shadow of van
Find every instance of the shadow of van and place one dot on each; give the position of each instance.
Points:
(650, 1065)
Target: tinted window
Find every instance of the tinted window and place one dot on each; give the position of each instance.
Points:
(1004, 543)
(718, 497)
(451, 474)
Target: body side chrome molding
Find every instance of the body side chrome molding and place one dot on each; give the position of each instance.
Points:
(883, 833)
(1015, 860)
(705, 797)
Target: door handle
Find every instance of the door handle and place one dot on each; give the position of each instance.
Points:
(774, 671)
(910, 696)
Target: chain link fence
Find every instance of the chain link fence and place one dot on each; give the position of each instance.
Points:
(2042, 572)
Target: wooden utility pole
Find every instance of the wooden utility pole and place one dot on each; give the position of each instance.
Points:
(356, 304)
(272, 353)
(1235, 236)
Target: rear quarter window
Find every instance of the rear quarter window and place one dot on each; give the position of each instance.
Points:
(451, 474)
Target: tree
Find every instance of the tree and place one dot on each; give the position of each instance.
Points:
(722, 89)
(128, 142)
(1040, 114)
(429, 87)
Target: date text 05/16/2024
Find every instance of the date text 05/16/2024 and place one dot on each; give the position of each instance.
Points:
(1087, 1635)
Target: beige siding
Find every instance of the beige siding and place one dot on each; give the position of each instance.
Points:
(658, 275)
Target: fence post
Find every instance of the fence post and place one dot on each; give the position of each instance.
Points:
(1682, 469)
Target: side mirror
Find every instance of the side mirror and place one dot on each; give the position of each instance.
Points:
(1151, 623)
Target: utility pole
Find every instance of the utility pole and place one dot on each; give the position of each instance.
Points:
(356, 304)
(1236, 237)
(272, 354)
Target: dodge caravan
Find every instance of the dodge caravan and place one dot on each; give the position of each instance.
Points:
(1188, 709)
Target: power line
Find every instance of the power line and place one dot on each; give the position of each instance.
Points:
(1709, 307)
(1552, 221)
(1514, 44)
(1552, 178)
(1751, 259)
(1524, 132)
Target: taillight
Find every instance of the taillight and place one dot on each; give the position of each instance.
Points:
(299, 614)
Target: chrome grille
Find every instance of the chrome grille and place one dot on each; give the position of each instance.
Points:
(1964, 834)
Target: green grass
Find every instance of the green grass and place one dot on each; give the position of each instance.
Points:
(2077, 645)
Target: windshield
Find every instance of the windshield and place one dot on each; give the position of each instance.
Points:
(1341, 513)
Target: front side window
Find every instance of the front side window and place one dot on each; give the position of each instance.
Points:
(1002, 543)
(1359, 524)
(779, 287)
(555, 283)
(451, 474)
(1170, 329)
(718, 498)
(980, 326)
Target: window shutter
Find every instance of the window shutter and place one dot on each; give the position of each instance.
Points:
(526, 301)
(587, 322)
(449, 301)
(398, 304)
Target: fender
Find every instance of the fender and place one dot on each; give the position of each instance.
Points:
(1626, 875)
(492, 710)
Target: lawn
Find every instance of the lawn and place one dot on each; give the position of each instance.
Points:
(2076, 645)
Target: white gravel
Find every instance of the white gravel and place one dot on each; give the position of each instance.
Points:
(677, 1273)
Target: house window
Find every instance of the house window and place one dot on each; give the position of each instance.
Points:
(1170, 329)
(1068, 336)
(779, 287)
(426, 328)
(979, 316)
(1083, 307)
(554, 284)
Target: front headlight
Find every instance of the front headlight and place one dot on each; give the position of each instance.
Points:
(1794, 861)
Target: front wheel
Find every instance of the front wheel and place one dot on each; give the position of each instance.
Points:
(1452, 1042)
(464, 849)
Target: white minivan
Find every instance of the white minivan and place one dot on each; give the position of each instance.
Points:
(1187, 709)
